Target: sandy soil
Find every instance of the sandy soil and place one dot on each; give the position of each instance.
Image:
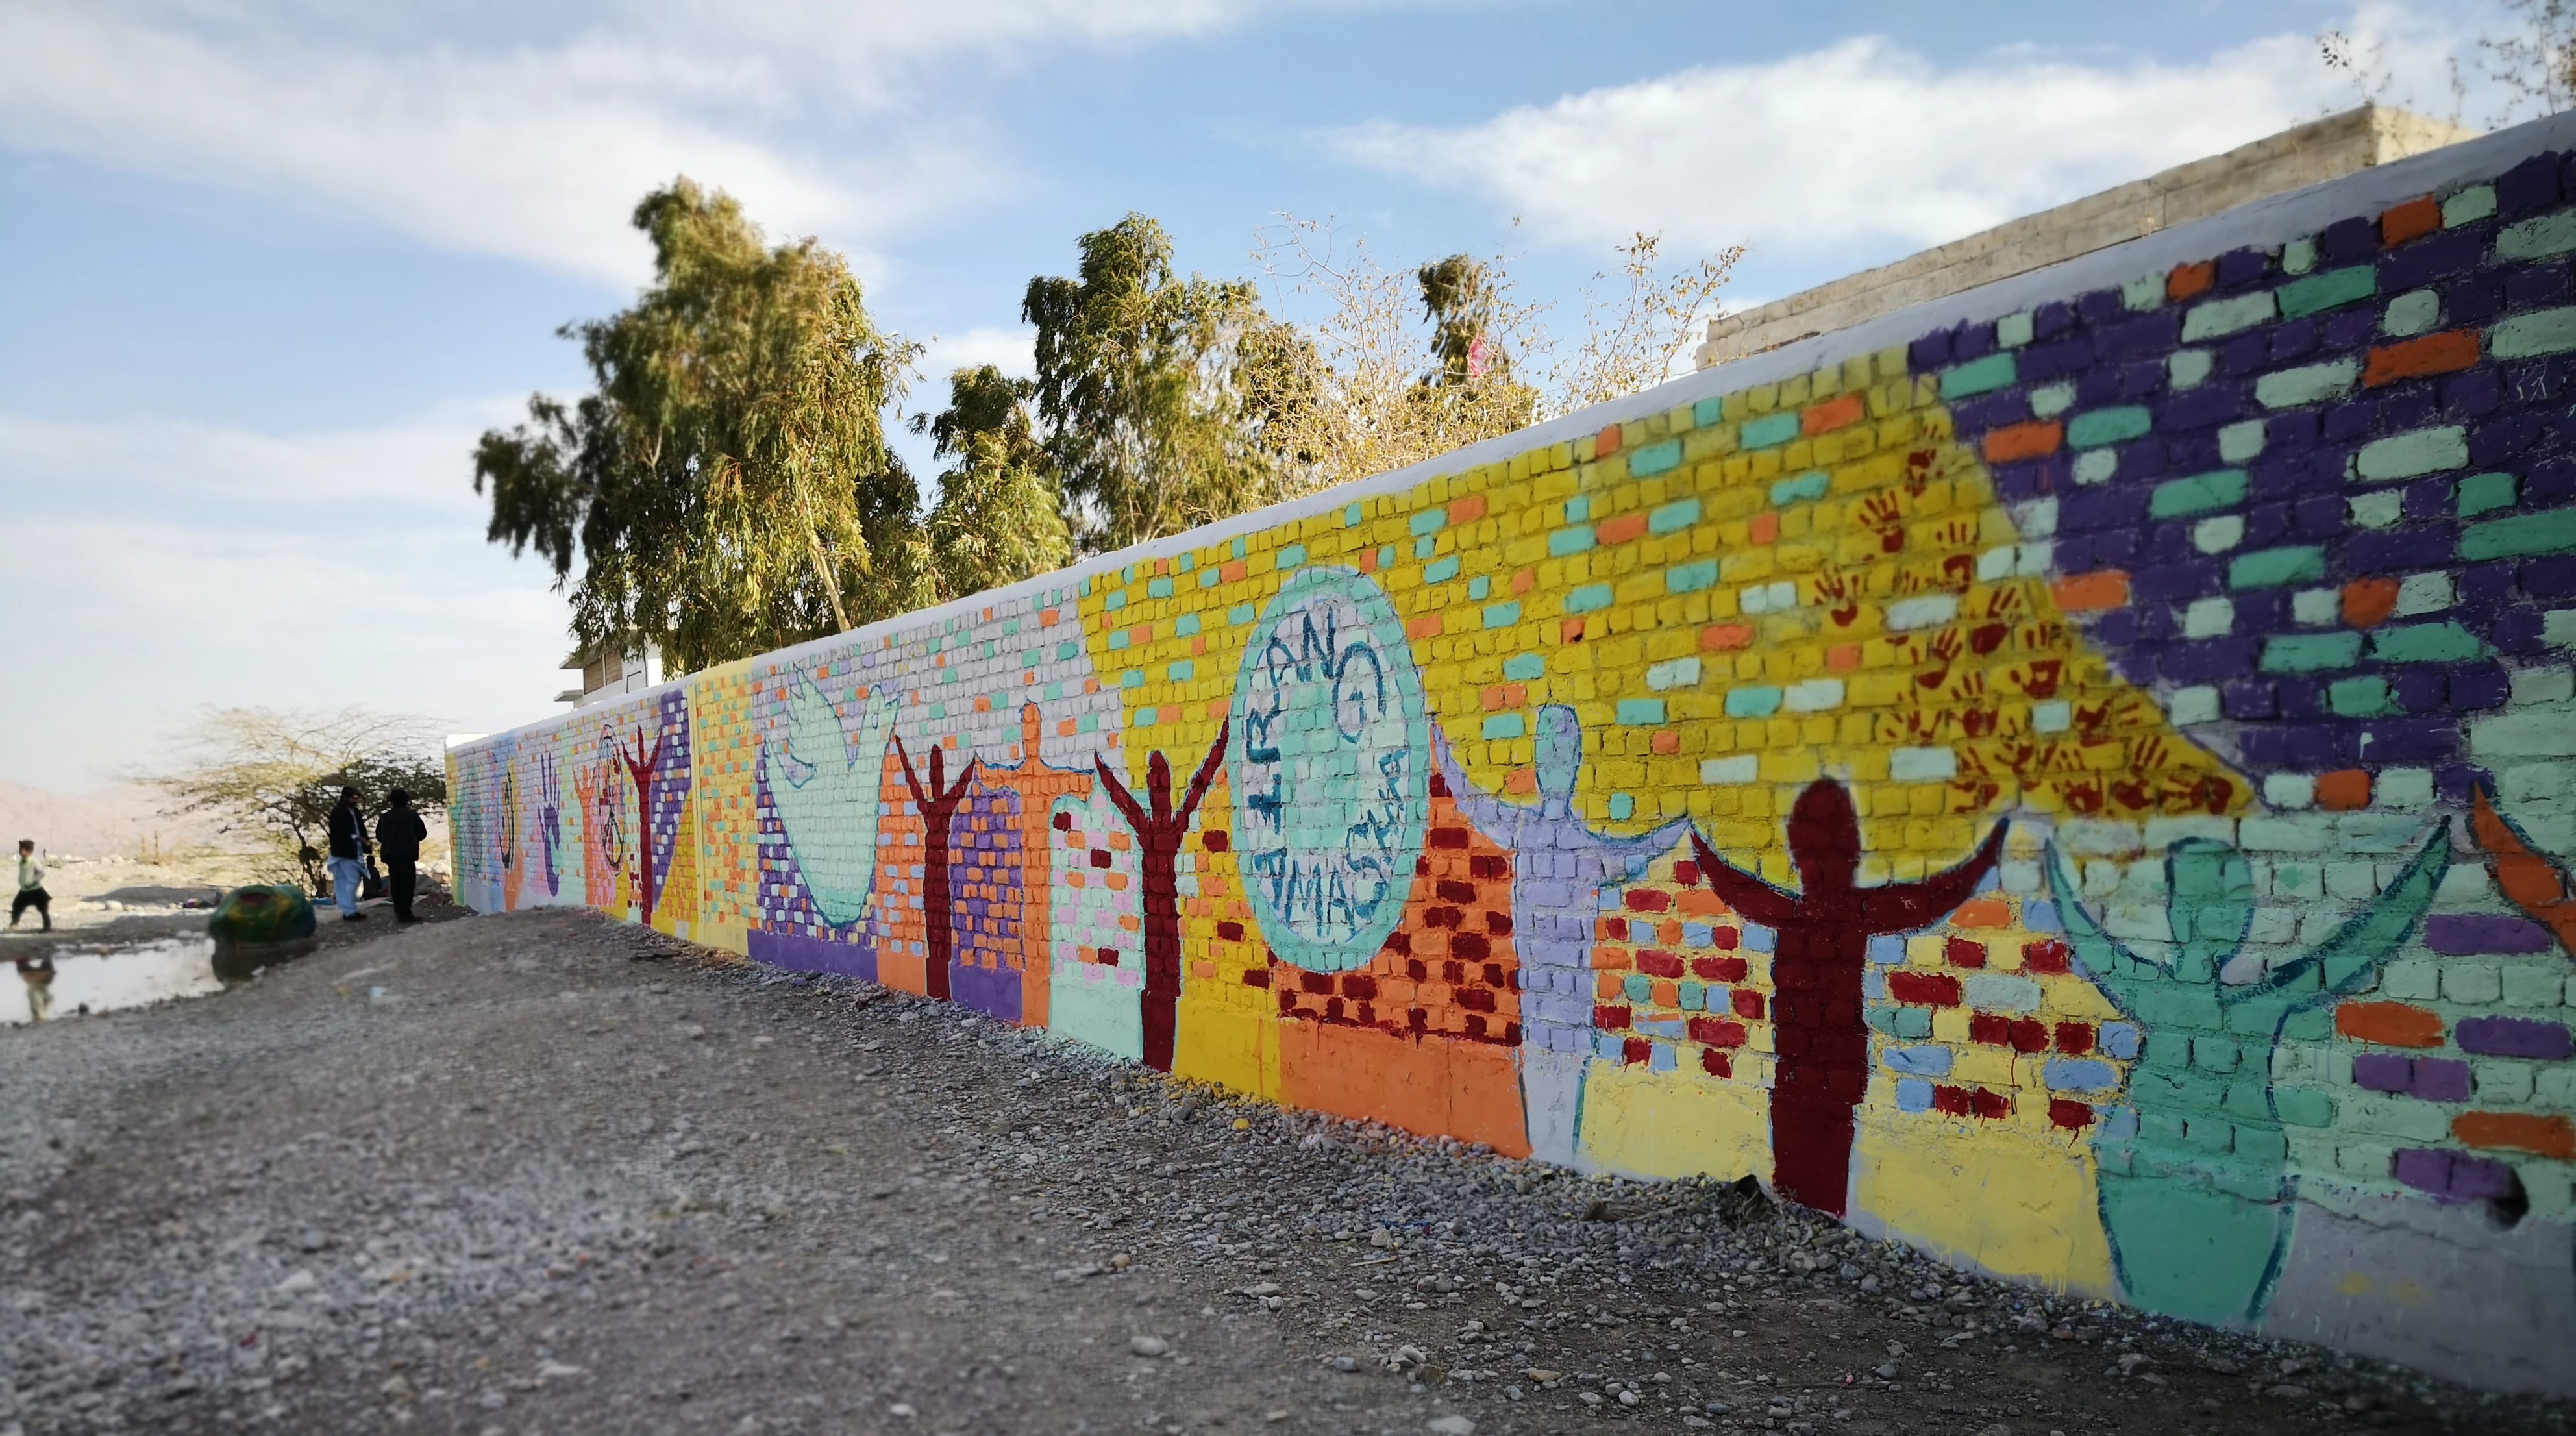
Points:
(542, 1173)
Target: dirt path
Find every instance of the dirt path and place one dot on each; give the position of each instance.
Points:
(545, 1174)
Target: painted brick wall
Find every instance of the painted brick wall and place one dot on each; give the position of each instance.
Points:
(2077, 778)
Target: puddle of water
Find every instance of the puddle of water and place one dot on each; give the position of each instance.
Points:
(100, 979)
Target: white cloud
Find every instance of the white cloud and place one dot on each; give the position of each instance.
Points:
(536, 146)
(1013, 350)
(1864, 145)
(155, 568)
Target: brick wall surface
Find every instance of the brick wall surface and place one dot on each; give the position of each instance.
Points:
(2083, 786)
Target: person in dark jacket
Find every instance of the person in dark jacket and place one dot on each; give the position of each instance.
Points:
(399, 834)
(348, 829)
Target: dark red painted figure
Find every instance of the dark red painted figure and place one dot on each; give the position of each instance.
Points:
(1159, 834)
(937, 807)
(1820, 1036)
(641, 768)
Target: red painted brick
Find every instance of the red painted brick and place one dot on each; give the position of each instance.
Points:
(1952, 1100)
(2047, 955)
(2075, 1038)
(1992, 1028)
(1608, 1018)
(1648, 900)
(1655, 962)
(1715, 1063)
(2074, 1116)
(1746, 1002)
(1924, 989)
(1717, 1032)
(1719, 969)
(1989, 1104)
(1962, 952)
(2029, 1035)
(1636, 1050)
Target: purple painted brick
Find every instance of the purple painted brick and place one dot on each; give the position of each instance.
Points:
(2420, 689)
(2114, 548)
(2428, 498)
(2483, 584)
(2435, 256)
(2472, 301)
(2460, 934)
(2547, 485)
(2393, 550)
(2147, 336)
(2116, 627)
(2454, 780)
(2247, 700)
(1932, 351)
(2515, 1037)
(2202, 408)
(2294, 340)
(2295, 431)
(2030, 480)
(1989, 411)
(2528, 187)
(2471, 393)
(2042, 362)
(2442, 1079)
(2549, 578)
(2211, 660)
(2537, 287)
(2414, 742)
(1972, 341)
(2476, 688)
(2352, 329)
(2302, 698)
(2406, 406)
(2384, 1072)
(2051, 319)
(2102, 306)
(2424, 1169)
(2138, 665)
(2520, 631)
(2168, 582)
(2349, 239)
(2240, 267)
(2477, 1179)
(2097, 385)
(2269, 524)
(2345, 423)
(2247, 353)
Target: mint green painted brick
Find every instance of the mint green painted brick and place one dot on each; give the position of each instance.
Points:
(2310, 652)
(1185, 625)
(1588, 598)
(1351, 516)
(1977, 376)
(2330, 290)
(2547, 331)
(2197, 494)
(1291, 556)
(2523, 535)
(1064, 651)
(1690, 577)
(1441, 571)
(1502, 615)
(1429, 521)
(1239, 615)
(2220, 317)
(1655, 459)
(2468, 206)
(2272, 567)
(1132, 678)
(1522, 667)
(1768, 430)
(1112, 604)
(2536, 238)
(1159, 588)
(2107, 426)
(2359, 697)
(1802, 489)
(2426, 643)
(1641, 712)
(1184, 670)
(1578, 508)
(2303, 1108)
(1707, 412)
(2014, 330)
(1752, 702)
(2299, 256)
(1210, 578)
(1504, 725)
(2485, 493)
(1118, 639)
(1479, 586)
(1566, 541)
(1672, 518)
(2313, 384)
(2408, 456)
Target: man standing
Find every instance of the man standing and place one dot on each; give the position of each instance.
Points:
(348, 855)
(31, 886)
(399, 834)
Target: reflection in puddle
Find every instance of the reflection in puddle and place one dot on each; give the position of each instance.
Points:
(96, 979)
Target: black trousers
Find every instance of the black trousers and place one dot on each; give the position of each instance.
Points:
(36, 898)
(405, 877)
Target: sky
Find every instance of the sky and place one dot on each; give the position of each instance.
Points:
(268, 267)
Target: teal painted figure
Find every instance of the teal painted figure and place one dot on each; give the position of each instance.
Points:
(2195, 1190)
(826, 789)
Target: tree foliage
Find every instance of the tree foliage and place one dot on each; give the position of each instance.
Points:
(727, 486)
(1141, 385)
(273, 776)
(1000, 516)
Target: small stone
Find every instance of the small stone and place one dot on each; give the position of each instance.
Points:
(298, 1280)
(902, 1410)
(1275, 1415)
(556, 1371)
(1542, 1375)
(1148, 1345)
(1452, 1425)
(2286, 1391)
(1345, 1364)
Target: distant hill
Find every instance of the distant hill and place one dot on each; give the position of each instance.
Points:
(104, 822)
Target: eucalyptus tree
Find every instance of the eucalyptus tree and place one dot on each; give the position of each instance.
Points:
(1000, 516)
(727, 487)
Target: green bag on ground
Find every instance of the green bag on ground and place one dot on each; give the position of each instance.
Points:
(251, 916)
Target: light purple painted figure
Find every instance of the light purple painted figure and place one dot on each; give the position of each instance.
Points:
(1560, 865)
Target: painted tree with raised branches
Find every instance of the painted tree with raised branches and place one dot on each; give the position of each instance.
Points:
(1159, 831)
(938, 805)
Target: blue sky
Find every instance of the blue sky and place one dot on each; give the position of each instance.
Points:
(269, 267)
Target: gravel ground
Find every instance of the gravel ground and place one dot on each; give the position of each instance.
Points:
(545, 1174)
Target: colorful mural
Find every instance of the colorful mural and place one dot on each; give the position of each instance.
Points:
(2077, 777)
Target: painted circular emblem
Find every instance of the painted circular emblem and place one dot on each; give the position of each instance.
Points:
(1328, 770)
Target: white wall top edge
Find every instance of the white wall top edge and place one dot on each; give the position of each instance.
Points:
(2265, 223)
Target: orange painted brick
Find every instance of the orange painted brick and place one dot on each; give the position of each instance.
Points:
(1764, 528)
(2547, 1136)
(1606, 442)
(1570, 631)
(1426, 625)
(1521, 780)
(2343, 790)
(2367, 602)
(2187, 280)
(1982, 912)
(1368, 560)
(1620, 529)
(2088, 592)
(1843, 657)
(1667, 741)
(1721, 636)
(2390, 1024)
(1525, 580)
(1467, 509)
(2411, 220)
(2432, 354)
(2033, 440)
(1832, 414)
